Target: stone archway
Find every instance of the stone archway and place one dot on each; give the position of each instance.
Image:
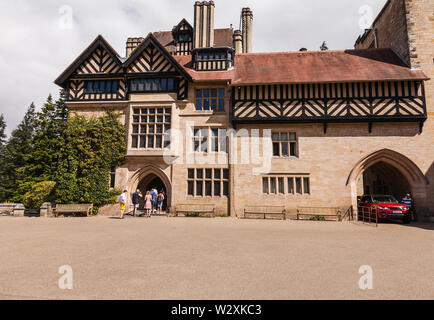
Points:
(401, 172)
(148, 174)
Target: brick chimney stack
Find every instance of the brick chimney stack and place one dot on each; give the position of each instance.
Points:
(247, 28)
(204, 24)
(238, 41)
(132, 43)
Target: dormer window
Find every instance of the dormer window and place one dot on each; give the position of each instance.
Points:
(183, 38)
(213, 59)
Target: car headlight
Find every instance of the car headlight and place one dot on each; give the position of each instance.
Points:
(382, 208)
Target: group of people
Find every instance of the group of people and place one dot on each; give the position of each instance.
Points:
(154, 202)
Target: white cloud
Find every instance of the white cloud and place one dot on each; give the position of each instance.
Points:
(34, 50)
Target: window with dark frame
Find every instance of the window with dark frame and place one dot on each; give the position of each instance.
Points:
(153, 85)
(210, 99)
(213, 56)
(209, 140)
(295, 185)
(101, 86)
(150, 128)
(184, 37)
(284, 144)
(208, 182)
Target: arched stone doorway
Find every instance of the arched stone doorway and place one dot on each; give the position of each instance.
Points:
(150, 177)
(383, 178)
(388, 172)
(152, 181)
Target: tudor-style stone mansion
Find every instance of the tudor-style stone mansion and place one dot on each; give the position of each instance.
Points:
(211, 122)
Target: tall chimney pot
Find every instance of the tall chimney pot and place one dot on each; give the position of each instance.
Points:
(204, 24)
(247, 29)
(238, 41)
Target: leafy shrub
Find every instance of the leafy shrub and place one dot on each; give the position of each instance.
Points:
(316, 218)
(196, 215)
(90, 148)
(113, 196)
(224, 215)
(192, 215)
(41, 192)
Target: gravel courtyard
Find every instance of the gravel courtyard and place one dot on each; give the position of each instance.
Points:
(222, 258)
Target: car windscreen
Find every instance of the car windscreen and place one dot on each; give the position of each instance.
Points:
(385, 199)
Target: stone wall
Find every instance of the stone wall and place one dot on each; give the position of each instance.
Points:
(388, 31)
(407, 26)
(329, 160)
(420, 21)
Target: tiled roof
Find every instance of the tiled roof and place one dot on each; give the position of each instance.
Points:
(311, 67)
(222, 38)
(186, 63)
(166, 39)
(323, 66)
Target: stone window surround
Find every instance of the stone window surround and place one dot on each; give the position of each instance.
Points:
(145, 105)
(192, 180)
(217, 139)
(210, 87)
(286, 181)
(289, 142)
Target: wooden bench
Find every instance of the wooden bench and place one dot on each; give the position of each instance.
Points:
(265, 212)
(200, 209)
(318, 212)
(73, 209)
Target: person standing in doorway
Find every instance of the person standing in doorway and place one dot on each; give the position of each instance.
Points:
(160, 201)
(164, 194)
(136, 201)
(123, 202)
(154, 195)
(408, 201)
(148, 204)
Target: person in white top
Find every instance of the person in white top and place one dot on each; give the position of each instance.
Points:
(123, 202)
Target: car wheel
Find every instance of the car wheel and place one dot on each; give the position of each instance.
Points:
(406, 220)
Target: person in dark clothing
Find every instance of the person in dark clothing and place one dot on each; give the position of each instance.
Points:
(408, 201)
(136, 201)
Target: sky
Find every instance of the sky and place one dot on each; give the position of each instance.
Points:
(39, 39)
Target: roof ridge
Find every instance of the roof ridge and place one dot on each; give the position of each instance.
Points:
(314, 51)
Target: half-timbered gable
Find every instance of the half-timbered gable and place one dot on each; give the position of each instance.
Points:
(150, 60)
(151, 57)
(97, 74)
(152, 64)
(99, 59)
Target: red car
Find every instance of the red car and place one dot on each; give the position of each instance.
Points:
(387, 207)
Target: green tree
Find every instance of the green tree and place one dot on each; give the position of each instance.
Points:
(40, 193)
(89, 149)
(42, 162)
(324, 46)
(2, 131)
(2, 156)
(14, 155)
